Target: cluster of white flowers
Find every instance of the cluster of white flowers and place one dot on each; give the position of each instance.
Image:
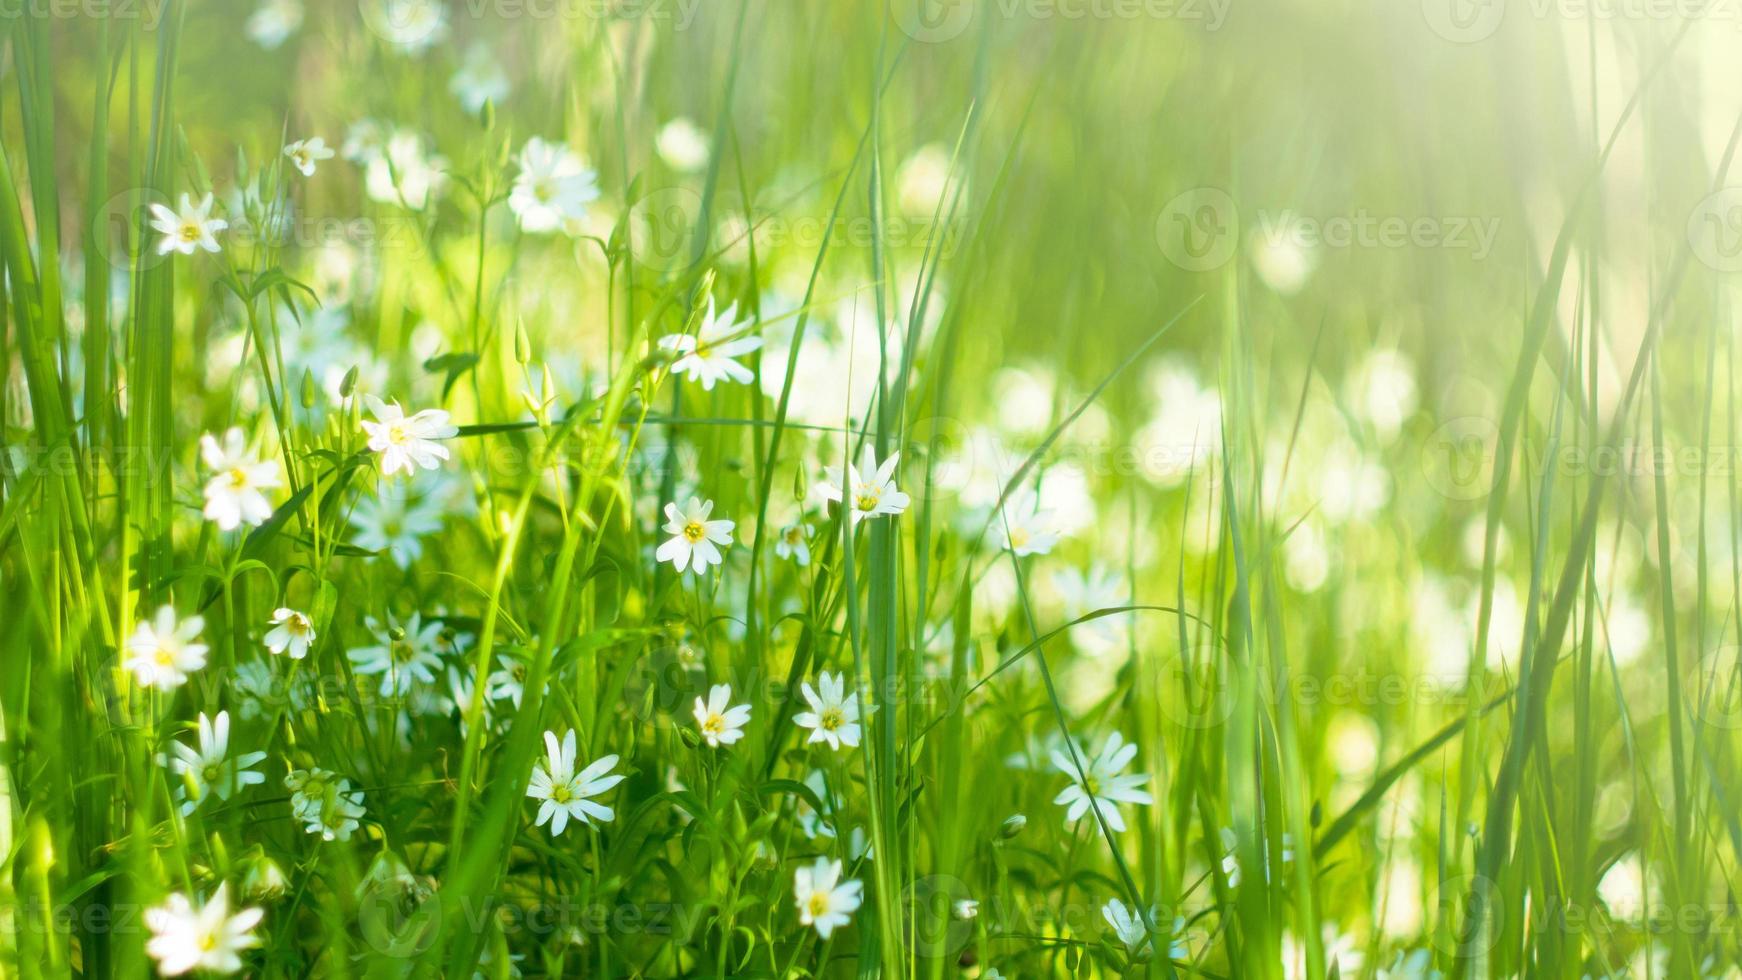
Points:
(324, 803)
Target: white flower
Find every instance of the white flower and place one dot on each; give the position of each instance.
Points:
(682, 146)
(480, 79)
(694, 539)
(793, 543)
(292, 632)
(554, 186)
(407, 443)
(410, 25)
(810, 821)
(870, 487)
(205, 771)
(1101, 784)
(404, 661)
(397, 169)
(1026, 528)
(1231, 858)
(965, 909)
(234, 496)
(564, 792)
(834, 714)
(324, 803)
(708, 356)
(392, 524)
(1127, 925)
(274, 21)
(719, 724)
(304, 154)
(185, 938)
(188, 228)
(162, 653)
(823, 900)
(1085, 592)
(507, 683)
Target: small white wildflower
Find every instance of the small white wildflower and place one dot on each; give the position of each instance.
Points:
(869, 488)
(207, 770)
(566, 793)
(162, 652)
(1101, 785)
(695, 540)
(236, 494)
(292, 632)
(709, 356)
(185, 938)
(823, 899)
(834, 714)
(407, 443)
(187, 228)
(720, 724)
(304, 154)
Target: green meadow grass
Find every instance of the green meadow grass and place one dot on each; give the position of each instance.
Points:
(1373, 363)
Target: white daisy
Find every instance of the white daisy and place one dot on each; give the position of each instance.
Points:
(1127, 925)
(565, 792)
(834, 714)
(162, 653)
(695, 541)
(823, 899)
(292, 632)
(870, 487)
(187, 228)
(391, 523)
(480, 79)
(185, 938)
(554, 186)
(234, 496)
(407, 443)
(405, 656)
(324, 803)
(206, 770)
(1101, 784)
(1025, 527)
(720, 724)
(708, 356)
(304, 154)
(273, 22)
(794, 543)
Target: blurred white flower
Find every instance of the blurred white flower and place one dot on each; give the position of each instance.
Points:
(304, 154)
(921, 180)
(207, 770)
(1083, 593)
(695, 540)
(407, 443)
(708, 357)
(405, 654)
(479, 79)
(185, 938)
(1025, 527)
(1100, 783)
(273, 22)
(412, 26)
(1281, 257)
(870, 487)
(397, 169)
(554, 186)
(189, 227)
(1185, 433)
(566, 793)
(392, 523)
(291, 633)
(834, 712)
(1306, 561)
(1127, 925)
(794, 543)
(720, 721)
(1383, 391)
(324, 803)
(163, 652)
(824, 900)
(235, 495)
(682, 145)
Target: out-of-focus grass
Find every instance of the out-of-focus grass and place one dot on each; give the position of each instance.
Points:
(1377, 357)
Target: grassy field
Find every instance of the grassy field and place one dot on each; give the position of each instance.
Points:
(925, 488)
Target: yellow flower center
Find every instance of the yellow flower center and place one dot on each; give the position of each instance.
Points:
(1091, 785)
(1018, 537)
(831, 719)
(715, 725)
(238, 477)
(693, 531)
(560, 793)
(818, 904)
(402, 651)
(867, 500)
(190, 231)
(396, 433)
(164, 656)
(794, 536)
(208, 941)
